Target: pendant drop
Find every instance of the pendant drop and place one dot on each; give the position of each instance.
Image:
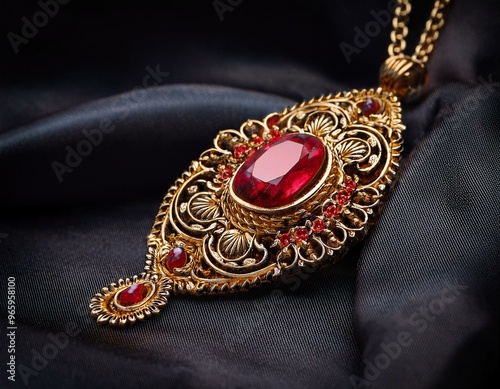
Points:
(294, 190)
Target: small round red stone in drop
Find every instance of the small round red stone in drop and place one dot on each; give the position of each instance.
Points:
(279, 172)
(301, 234)
(240, 151)
(272, 121)
(274, 134)
(370, 106)
(132, 295)
(176, 258)
(226, 173)
(285, 240)
(332, 212)
(258, 140)
(349, 185)
(318, 226)
(342, 197)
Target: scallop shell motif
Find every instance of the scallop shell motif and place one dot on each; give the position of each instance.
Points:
(204, 206)
(321, 125)
(352, 150)
(234, 243)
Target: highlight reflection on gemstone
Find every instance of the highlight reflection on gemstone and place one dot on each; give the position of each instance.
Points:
(280, 171)
(134, 294)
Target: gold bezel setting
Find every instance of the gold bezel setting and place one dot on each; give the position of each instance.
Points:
(105, 306)
(325, 172)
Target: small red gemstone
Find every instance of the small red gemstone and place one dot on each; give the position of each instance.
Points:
(258, 140)
(226, 173)
(272, 121)
(370, 106)
(176, 257)
(332, 212)
(318, 225)
(349, 185)
(240, 151)
(285, 240)
(342, 197)
(280, 171)
(301, 234)
(134, 294)
(274, 134)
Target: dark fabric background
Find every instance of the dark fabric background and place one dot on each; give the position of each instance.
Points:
(427, 275)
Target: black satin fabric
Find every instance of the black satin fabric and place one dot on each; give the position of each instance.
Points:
(415, 305)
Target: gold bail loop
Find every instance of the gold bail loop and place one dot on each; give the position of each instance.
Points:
(402, 75)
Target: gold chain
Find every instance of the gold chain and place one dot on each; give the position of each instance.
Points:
(403, 74)
(428, 37)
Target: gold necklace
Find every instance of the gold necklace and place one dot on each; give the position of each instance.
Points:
(282, 195)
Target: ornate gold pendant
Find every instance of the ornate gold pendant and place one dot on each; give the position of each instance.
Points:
(290, 192)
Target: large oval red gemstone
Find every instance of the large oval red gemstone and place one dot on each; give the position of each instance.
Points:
(280, 171)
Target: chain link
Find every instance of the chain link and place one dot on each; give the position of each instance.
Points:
(428, 37)
(399, 27)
